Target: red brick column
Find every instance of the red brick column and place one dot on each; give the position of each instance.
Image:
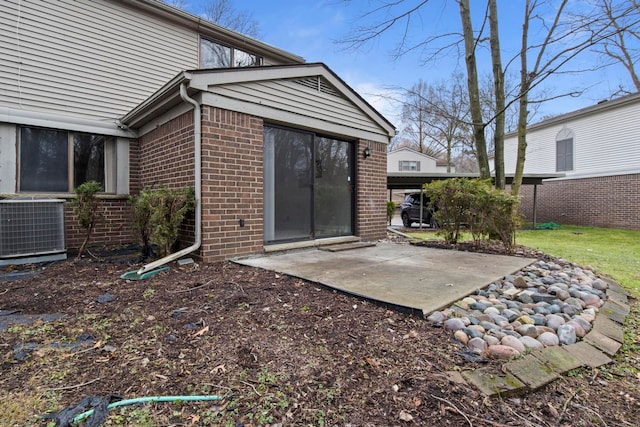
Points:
(371, 184)
(232, 184)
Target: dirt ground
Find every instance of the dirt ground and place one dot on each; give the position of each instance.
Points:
(276, 349)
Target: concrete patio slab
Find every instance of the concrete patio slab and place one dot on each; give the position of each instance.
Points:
(411, 277)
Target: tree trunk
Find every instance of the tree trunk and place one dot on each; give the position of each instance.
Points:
(498, 82)
(449, 149)
(474, 92)
(83, 247)
(523, 103)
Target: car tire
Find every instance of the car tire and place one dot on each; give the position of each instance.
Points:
(406, 222)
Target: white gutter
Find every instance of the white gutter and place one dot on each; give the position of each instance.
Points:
(197, 135)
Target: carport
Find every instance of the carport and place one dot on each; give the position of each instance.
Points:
(412, 278)
(415, 181)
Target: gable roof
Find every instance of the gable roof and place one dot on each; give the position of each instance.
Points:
(225, 83)
(411, 150)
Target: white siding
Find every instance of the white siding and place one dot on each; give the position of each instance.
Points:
(606, 141)
(427, 163)
(290, 96)
(94, 59)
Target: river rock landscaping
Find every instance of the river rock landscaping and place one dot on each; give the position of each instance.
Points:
(545, 304)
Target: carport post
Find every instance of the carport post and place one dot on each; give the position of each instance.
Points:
(421, 195)
(535, 205)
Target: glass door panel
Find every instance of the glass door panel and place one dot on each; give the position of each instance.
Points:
(333, 200)
(288, 180)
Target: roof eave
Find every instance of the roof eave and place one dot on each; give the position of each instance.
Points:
(169, 94)
(592, 109)
(209, 28)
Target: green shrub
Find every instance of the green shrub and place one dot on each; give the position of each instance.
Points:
(391, 210)
(86, 207)
(158, 214)
(141, 206)
(472, 203)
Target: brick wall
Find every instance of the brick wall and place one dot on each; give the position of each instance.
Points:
(167, 154)
(114, 227)
(371, 184)
(608, 201)
(232, 184)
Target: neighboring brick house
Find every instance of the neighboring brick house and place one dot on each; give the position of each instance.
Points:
(598, 150)
(107, 90)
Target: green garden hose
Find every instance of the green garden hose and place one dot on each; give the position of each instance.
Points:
(151, 399)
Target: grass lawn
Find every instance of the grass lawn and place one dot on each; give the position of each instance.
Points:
(611, 251)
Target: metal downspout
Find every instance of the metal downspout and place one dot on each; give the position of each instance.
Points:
(197, 135)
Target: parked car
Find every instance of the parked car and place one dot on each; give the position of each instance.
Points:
(410, 210)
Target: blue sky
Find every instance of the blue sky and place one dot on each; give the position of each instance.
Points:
(312, 29)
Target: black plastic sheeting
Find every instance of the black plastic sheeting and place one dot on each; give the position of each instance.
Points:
(99, 405)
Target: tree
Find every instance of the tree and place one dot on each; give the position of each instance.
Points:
(414, 113)
(437, 117)
(87, 210)
(622, 45)
(223, 13)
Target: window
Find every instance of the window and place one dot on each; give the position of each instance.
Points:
(409, 165)
(216, 55)
(564, 150)
(55, 161)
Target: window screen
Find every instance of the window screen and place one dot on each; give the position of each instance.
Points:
(44, 160)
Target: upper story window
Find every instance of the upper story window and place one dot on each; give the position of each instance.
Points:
(564, 150)
(57, 161)
(216, 55)
(409, 165)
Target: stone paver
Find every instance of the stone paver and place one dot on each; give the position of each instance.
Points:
(615, 287)
(588, 354)
(615, 311)
(608, 328)
(492, 384)
(558, 359)
(532, 371)
(602, 342)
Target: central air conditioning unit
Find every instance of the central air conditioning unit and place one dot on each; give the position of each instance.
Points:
(31, 230)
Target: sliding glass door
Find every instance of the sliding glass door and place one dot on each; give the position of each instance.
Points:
(308, 186)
